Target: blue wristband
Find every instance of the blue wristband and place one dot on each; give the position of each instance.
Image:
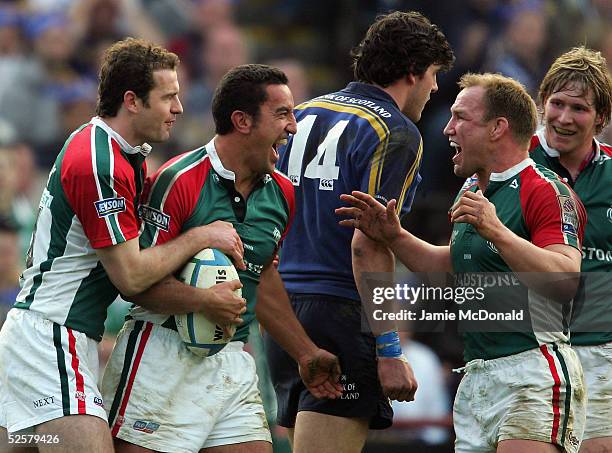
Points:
(388, 345)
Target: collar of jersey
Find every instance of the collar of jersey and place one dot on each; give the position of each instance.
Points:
(370, 90)
(512, 171)
(216, 162)
(552, 152)
(143, 149)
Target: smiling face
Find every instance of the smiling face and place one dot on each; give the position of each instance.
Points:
(272, 127)
(468, 133)
(157, 116)
(571, 121)
(425, 85)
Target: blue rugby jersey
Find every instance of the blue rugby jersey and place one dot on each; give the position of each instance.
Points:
(354, 139)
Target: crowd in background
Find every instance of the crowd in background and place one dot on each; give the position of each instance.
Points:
(49, 57)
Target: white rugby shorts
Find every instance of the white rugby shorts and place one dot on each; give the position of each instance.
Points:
(597, 366)
(537, 395)
(165, 398)
(47, 371)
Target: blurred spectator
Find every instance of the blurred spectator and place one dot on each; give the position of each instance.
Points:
(519, 52)
(10, 266)
(299, 83)
(225, 47)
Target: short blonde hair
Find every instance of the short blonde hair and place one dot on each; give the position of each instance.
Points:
(587, 69)
(505, 97)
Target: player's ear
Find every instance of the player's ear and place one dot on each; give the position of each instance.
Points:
(499, 127)
(131, 102)
(242, 121)
(411, 79)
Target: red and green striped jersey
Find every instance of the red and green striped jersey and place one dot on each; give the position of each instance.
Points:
(195, 189)
(89, 202)
(594, 187)
(538, 206)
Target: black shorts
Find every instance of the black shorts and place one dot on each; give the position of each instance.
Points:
(333, 324)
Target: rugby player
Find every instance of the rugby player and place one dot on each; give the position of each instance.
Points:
(576, 98)
(360, 138)
(213, 402)
(85, 251)
(522, 391)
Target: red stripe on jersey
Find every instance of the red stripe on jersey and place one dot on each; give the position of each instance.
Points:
(287, 189)
(556, 392)
(535, 142)
(605, 149)
(79, 185)
(182, 197)
(126, 396)
(541, 209)
(80, 382)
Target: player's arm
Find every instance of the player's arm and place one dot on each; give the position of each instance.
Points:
(394, 372)
(173, 297)
(559, 263)
(319, 369)
(382, 224)
(133, 270)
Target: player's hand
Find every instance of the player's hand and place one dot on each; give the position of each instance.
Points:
(372, 218)
(222, 235)
(475, 209)
(320, 373)
(396, 378)
(222, 305)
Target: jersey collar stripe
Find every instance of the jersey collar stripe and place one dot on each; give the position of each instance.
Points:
(410, 176)
(61, 363)
(512, 171)
(216, 162)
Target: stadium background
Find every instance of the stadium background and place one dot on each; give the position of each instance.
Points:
(49, 54)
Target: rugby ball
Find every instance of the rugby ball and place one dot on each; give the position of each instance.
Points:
(201, 336)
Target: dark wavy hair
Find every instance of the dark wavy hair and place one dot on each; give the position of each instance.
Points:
(398, 44)
(243, 88)
(128, 65)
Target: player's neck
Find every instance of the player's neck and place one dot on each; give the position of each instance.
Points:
(235, 159)
(574, 161)
(123, 128)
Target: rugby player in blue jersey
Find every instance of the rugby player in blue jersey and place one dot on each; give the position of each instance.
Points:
(360, 138)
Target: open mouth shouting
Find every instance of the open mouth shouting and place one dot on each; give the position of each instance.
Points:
(455, 145)
(275, 146)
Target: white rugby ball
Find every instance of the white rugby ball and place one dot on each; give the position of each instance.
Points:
(201, 336)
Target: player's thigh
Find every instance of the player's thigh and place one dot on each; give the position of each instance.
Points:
(321, 433)
(597, 445)
(121, 446)
(526, 446)
(76, 433)
(257, 446)
(6, 447)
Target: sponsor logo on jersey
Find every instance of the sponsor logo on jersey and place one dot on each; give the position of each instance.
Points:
(154, 217)
(326, 184)
(295, 179)
(46, 199)
(609, 214)
(492, 247)
(110, 206)
(218, 335)
(569, 215)
(44, 401)
(98, 401)
(277, 234)
(79, 395)
(145, 426)
(267, 178)
(514, 184)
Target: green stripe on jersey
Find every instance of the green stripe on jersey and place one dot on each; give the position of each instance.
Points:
(568, 392)
(104, 168)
